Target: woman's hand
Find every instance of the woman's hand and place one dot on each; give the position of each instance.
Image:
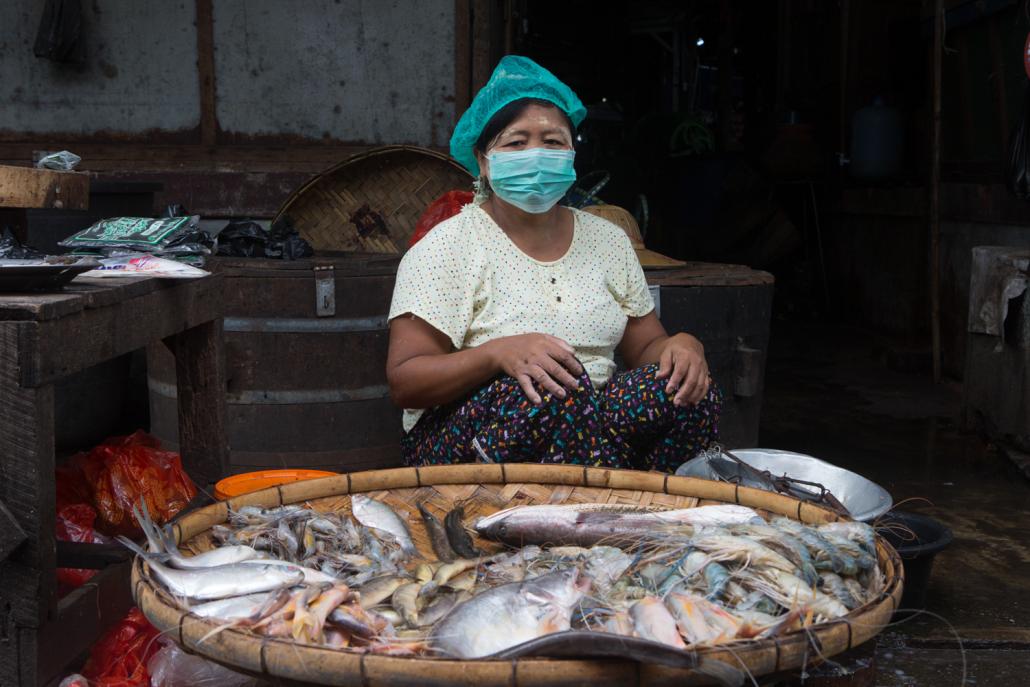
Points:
(682, 361)
(538, 362)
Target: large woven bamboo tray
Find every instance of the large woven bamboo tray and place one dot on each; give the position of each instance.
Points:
(484, 489)
(371, 202)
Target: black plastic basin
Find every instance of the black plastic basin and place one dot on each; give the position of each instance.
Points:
(918, 539)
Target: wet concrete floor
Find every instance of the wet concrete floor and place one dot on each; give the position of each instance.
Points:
(830, 393)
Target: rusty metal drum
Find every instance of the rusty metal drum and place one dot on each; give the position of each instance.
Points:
(305, 346)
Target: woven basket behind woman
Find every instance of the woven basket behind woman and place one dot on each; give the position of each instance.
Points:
(370, 202)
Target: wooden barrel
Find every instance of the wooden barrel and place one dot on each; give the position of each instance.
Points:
(305, 347)
(483, 489)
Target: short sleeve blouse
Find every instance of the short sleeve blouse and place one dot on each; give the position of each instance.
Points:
(468, 280)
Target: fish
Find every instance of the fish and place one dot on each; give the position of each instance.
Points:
(379, 516)
(378, 590)
(692, 622)
(233, 607)
(204, 584)
(652, 620)
(457, 536)
(162, 546)
(589, 524)
(319, 611)
(405, 602)
(508, 615)
(437, 535)
(438, 609)
(311, 576)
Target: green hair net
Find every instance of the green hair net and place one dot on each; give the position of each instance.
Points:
(515, 78)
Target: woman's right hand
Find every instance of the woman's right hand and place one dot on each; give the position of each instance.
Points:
(538, 362)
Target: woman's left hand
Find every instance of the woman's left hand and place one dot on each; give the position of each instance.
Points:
(683, 363)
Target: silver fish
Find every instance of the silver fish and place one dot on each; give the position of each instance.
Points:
(586, 524)
(509, 615)
(223, 581)
(232, 608)
(379, 516)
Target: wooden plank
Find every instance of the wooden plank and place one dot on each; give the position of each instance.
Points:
(73, 554)
(26, 483)
(28, 187)
(82, 617)
(206, 72)
(481, 63)
(27, 306)
(462, 58)
(104, 333)
(11, 533)
(200, 380)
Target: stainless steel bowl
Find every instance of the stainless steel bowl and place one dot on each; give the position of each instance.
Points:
(864, 499)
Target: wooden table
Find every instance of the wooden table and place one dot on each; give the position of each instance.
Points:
(44, 337)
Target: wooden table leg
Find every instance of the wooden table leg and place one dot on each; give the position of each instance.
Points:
(27, 582)
(200, 378)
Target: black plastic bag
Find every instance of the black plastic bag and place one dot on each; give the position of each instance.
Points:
(1019, 160)
(59, 37)
(13, 249)
(246, 239)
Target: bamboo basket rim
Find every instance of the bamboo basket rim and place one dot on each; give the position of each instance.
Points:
(358, 158)
(296, 664)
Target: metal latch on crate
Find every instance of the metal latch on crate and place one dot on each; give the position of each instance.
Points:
(325, 291)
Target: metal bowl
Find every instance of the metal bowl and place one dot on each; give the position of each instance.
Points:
(864, 499)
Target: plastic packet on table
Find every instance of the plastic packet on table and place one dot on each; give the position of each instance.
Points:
(141, 264)
(143, 234)
(64, 161)
(173, 667)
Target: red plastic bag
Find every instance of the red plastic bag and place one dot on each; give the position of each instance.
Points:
(124, 470)
(444, 207)
(75, 522)
(119, 658)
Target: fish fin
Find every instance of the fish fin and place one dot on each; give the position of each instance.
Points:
(147, 526)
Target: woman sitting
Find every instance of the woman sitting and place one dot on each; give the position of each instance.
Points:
(506, 318)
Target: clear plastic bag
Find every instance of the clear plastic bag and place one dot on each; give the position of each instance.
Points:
(64, 161)
(172, 667)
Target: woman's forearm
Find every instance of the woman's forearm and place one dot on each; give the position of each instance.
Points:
(425, 381)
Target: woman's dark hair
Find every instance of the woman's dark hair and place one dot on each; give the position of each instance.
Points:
(508, 114)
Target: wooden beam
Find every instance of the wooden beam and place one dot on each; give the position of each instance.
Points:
(462, 57)
(28, 187)
(481, 63)
(200, 385)
(206, 72)
(935, 191)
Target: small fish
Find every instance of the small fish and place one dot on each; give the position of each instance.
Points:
(232, 608)
(378, 590)
(379, 516)
(449, 570)
(311, 576)
(437, 535)
(437, 609)
(652, 620)
(204, 584)
(508, 615)
(457, 536)
(405, 602)
(463, 581)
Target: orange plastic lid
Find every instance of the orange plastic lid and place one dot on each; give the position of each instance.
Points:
(256, 481)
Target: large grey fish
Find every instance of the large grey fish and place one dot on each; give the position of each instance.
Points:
(586, 524)
(379, 516)
(226, 580)
(508, 615)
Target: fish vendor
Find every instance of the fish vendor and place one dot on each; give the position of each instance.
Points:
(506, 318)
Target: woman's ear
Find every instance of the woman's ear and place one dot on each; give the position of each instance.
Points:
(484, 164)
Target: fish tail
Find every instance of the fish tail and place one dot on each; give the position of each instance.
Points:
(139, 550)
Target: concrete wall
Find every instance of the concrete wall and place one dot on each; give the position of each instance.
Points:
(341, 70)
(373, 72)
(140, 71)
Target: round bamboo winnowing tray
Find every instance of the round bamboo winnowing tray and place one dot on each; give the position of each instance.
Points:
(371, 202)
(483, 489)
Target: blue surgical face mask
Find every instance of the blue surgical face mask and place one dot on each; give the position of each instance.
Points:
(532, 180)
